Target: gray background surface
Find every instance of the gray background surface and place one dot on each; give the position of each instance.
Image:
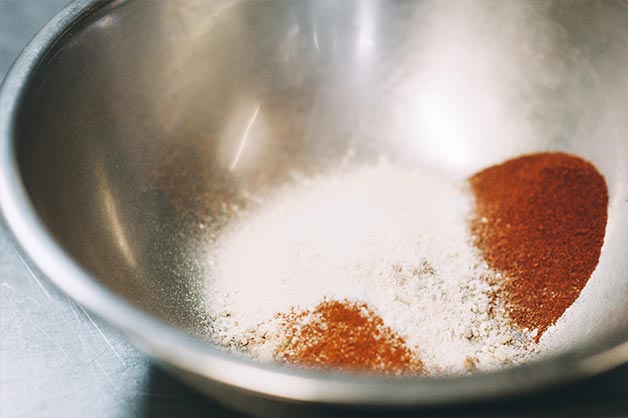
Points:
(57, 360)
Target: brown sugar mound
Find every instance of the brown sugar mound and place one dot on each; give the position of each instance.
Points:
(540, 220)
(347, 336)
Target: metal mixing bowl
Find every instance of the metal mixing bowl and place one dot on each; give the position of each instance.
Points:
(125, 132)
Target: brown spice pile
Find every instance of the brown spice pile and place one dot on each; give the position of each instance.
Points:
(540, 219)
(347, 336)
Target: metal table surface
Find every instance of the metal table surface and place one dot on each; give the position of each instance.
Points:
(57, 360)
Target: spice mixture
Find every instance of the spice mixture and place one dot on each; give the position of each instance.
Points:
(395, 270)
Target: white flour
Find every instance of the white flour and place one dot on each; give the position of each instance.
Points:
(395, 238)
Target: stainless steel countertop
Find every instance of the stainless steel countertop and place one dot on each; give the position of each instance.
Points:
(57, 360)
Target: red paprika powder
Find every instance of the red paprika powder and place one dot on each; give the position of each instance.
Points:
(540, 220)
(348, 336)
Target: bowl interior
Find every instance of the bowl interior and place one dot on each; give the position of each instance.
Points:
(129, 136)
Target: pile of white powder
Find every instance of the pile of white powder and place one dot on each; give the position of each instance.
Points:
(395, 238)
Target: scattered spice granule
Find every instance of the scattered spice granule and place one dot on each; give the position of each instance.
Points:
(348, 336)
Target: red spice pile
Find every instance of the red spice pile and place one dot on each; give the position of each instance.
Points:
(348, 336)
(540, 219)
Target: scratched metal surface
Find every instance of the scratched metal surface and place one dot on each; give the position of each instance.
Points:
(56, 360)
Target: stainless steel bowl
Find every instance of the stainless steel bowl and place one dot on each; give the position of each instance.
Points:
(121, 131)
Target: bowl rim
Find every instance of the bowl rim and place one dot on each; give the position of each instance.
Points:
(186, 353)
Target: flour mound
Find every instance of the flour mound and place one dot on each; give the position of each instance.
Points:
(397, 239)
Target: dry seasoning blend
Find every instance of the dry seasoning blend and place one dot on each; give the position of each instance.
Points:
(394, 238)
(540, 219)
(300, 279)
